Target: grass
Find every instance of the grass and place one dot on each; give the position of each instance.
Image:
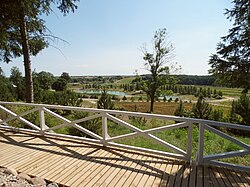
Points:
(213, 144)
(126, 80)
(167, 108)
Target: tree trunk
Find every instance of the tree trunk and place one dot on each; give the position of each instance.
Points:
(26, 57)
(151, 104)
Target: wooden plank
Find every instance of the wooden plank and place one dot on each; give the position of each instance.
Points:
(87, 174)
(161, 173)
(35, 156)
(137, 168)
(131, 167)
(179, 175)
(218, 176)
(17, 154)
(74, 173)
(157, 174)
(246, 176)
(141, 172)
(114, 173)
(228, 173)
(172, 177)
(166, 175)
(83, 162)
(192, 178)
(212, 176)
(42, 162)
(86, 171)
(243, 179)
(116, 161)
(148, 172)
(186, 175)
(223, 176)
(237, 179)
(206, 178)
(59, 167)
(200, 176)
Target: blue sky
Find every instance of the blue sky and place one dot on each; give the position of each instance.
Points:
(105, 36)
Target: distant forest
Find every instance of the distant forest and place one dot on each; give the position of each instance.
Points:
(206, 80)
(196, 79)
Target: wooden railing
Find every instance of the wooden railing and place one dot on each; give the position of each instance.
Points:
(111, 115)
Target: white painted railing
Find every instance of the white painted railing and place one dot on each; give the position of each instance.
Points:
(110, 115)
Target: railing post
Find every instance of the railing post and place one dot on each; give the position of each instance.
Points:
(42, 119)
(189, 145)
(104, 129)
(200, 153)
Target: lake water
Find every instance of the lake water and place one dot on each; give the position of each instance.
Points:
(169, 96)
(118, 93)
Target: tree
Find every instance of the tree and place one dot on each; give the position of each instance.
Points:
(201, 109)
(242, 108)
(23, 32)
(66, 76)
(155, 64)
(105, 101)
(18, 85)
(60, 84)
(180, 111)
(231, 63)
(45, 79)
(6, 93)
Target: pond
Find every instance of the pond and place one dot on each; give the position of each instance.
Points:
(168, 97)
(110, 92)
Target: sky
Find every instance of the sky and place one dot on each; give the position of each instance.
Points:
(104, 37)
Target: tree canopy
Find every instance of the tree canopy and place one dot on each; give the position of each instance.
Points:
(23, 32)
(231, 63)
(155, 63)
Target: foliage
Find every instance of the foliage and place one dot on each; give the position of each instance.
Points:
(180, 111)
(66, 77)
(105, 101)
(23, 31)
(155, 64)
(93, 125)
(44, 79)
(7, 89)
(201, 109)
(231, 64)
(18, 84)
(242, 108)
(59, 85)
(66, 98)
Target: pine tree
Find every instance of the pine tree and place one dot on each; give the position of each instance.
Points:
(105, 101)
(180, 111)
(201, 109)
(231, 63)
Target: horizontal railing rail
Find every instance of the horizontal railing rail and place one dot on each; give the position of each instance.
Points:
(111, 115)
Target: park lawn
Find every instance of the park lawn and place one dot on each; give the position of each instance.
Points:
(126, 80)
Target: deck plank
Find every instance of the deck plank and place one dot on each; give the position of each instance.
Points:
(78, 163)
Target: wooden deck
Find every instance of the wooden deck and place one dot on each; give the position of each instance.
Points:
(75, 163)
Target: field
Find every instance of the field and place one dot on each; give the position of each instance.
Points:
(213, 143)
(167, 108)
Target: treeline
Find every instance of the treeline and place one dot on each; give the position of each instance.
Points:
(196, 80)
(205, 80)
(239, 113)
(47, 88)
(194, 90)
